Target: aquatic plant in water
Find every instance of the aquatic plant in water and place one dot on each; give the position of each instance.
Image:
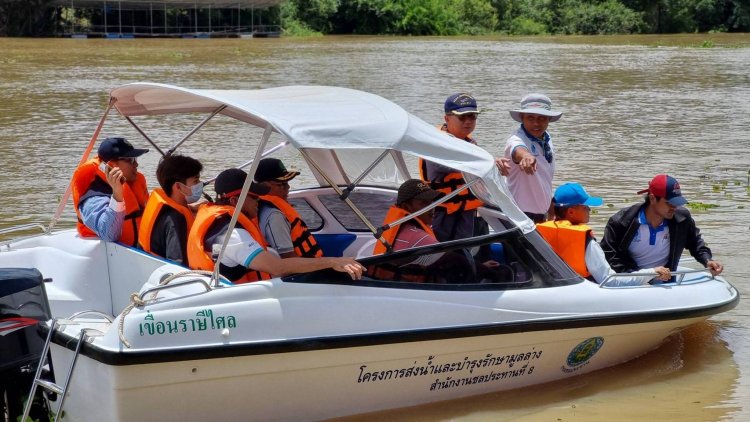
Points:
(700, 206)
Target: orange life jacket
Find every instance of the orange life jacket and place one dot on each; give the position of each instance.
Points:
(388, 271)
(156, 202)
(395, 213)
(200, 259)
(464, 201)
(303, 241)
(135, 195)
(568, 241)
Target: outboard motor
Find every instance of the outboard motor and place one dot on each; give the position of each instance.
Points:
(23, 304)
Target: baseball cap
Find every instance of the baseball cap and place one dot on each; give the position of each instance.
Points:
(273, 169)
(461, 103)
(118, 147)
(665, 186)
(569, 194)
(229, 183)
(536, 104)
(416, 189)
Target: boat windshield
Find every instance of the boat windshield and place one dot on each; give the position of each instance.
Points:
(502, 260)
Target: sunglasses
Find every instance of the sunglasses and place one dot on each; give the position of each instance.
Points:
(465, 117)
(131, 160)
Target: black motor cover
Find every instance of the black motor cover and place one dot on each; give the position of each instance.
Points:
(23, 304)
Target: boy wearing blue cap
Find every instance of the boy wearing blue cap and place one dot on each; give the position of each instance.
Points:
(573, 240)
(656, 231)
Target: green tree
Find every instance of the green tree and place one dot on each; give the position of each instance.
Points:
(475, 16)
(590, 18)
(27, 17)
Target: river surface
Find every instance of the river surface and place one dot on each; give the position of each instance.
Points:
(633, 107)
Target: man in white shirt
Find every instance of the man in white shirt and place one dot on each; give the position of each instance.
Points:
(531, 155)
(246, 258)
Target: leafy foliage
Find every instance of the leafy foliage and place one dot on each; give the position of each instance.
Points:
(438, 17)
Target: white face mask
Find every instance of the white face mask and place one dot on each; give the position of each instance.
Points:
(196, 191)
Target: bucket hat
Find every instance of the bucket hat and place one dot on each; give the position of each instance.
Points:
(536, 104)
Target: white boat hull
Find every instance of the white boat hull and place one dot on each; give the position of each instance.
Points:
(326, 383)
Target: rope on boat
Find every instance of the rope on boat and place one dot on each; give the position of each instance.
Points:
(135, 300)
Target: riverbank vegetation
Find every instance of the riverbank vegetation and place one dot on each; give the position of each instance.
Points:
(516, 17)
(432, 17)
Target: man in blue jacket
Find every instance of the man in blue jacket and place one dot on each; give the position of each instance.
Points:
(655, 232)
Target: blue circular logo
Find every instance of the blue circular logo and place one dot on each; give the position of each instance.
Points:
(584, 351)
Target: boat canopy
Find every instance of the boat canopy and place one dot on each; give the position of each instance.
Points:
(328, 118)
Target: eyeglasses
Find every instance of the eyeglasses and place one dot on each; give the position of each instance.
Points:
(131, 160)
(468, 116)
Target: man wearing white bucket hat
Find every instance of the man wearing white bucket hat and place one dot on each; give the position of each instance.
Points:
(532, 156)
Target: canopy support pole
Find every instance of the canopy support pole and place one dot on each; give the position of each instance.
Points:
(195, 129)
(338, 190)
(364, 174)
(247, 163)
(241, 200)
(144, 135)
(427, 208)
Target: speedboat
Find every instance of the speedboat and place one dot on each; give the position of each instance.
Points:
(135, 337)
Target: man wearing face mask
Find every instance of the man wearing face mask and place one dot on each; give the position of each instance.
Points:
(167, 219)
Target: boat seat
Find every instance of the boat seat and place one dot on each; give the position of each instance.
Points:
(334, 244)
(498, 252)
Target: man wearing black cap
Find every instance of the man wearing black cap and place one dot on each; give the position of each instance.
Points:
(656, 232)
(109, 193)
(413, 195)
(279, 222)
(456, 218)
(245, 258)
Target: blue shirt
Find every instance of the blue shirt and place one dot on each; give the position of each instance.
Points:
(104, 216)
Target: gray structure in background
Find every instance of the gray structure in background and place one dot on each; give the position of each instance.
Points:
(160, 27)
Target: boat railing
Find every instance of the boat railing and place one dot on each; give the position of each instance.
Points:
(160, 287)
(23, 227)
(677, 278)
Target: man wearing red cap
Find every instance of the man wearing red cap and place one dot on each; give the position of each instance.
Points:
(656, 232)
(573, 240)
